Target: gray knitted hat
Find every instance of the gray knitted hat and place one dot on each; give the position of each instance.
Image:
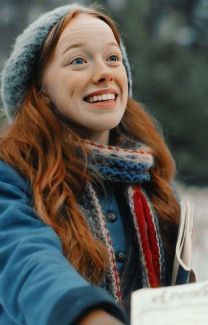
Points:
(19, 69)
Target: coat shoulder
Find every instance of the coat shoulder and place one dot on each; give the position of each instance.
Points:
(9, 175)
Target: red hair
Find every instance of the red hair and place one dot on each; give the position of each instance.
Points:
(42, 147)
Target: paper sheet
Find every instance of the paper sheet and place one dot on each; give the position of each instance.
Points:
(177, 305)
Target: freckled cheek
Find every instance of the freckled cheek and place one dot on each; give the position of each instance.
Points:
(74, 94)
(122, 77)
(124, 89)
(74, 86)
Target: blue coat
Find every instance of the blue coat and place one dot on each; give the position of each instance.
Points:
(37, 283)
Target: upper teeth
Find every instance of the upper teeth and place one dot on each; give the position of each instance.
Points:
(101, 97)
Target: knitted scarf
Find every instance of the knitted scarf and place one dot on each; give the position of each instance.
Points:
(130, 166)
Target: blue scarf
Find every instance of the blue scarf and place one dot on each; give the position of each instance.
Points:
(131, 166)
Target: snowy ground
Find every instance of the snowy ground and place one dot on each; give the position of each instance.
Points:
(200, 233)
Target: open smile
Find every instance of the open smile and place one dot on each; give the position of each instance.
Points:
(102, 96)
(107, 103)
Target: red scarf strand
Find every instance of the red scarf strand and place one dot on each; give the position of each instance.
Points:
(149, 242)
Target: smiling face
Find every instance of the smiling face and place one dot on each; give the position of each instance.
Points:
(86, 79)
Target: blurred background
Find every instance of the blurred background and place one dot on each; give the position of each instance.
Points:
(167, 43)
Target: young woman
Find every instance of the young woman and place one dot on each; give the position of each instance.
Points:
(87, 210)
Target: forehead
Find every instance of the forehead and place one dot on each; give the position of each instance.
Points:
(85, 27)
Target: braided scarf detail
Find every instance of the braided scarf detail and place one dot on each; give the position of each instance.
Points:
(132, 167)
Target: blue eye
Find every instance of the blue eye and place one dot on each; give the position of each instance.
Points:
(78, 61)
(113, 58)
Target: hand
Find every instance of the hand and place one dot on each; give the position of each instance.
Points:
(99, 317)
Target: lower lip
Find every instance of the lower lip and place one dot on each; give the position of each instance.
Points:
(107, 104)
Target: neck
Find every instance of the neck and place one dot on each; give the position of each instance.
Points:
(100, 137)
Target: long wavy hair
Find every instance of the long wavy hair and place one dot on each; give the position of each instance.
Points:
(43, 148)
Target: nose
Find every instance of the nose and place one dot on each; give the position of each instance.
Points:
(102, 74)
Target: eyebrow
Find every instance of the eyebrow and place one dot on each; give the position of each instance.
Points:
(77, 45)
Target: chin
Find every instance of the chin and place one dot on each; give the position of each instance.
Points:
(107, 126)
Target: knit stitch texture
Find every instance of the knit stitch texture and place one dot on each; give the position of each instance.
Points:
(113, 163)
